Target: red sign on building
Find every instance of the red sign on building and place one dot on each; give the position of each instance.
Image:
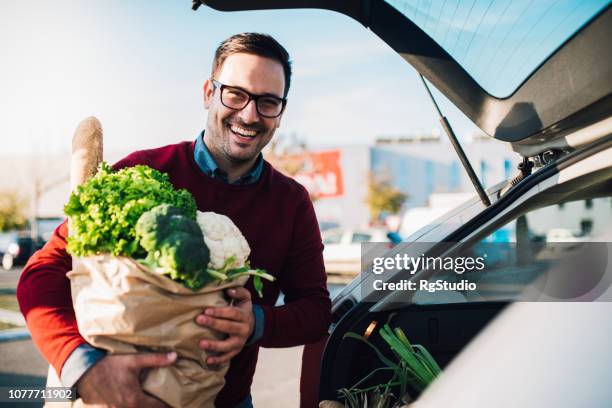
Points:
(321, 174)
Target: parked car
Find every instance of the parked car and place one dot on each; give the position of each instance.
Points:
(46, 226)
(327, 225)
(16, 247)
(342, 252)
(547, 93)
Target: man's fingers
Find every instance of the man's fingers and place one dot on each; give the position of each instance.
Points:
(229, 312)
(221, 346)
(223, 325)
(153, 359)
(240, 294)
(224, 358)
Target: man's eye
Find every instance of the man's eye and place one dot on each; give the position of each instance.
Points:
(269, 102)
(235, 94)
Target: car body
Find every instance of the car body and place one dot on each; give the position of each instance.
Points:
(327, 225)
(342, 252)
(46, 226)
(16, 247)
(557, 114)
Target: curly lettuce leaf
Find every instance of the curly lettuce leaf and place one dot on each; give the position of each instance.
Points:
(103, 211)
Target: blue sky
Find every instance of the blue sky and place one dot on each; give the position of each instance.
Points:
(139, 66)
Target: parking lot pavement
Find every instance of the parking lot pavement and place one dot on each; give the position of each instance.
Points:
(21, 365)
(21, 360)
(277, 378)
(8, 279)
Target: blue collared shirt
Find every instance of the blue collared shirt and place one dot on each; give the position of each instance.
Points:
(208, 165)
(85, 356)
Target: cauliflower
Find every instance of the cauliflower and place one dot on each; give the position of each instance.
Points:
(223, 239)
(195, 253)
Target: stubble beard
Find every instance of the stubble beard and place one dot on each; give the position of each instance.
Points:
(222, 145)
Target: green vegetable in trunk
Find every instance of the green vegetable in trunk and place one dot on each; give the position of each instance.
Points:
(414, 366)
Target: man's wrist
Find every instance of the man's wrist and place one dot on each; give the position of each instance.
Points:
(80, 360)
(258, 326)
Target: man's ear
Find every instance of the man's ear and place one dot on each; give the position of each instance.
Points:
(209, 90)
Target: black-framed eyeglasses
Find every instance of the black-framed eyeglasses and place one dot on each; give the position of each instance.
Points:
(268, 106)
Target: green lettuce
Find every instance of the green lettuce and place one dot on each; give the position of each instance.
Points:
(104, 211)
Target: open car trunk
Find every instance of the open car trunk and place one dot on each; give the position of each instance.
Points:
(443, 329)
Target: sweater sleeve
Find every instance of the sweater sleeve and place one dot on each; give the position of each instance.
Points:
(306, 315)
(44, 298)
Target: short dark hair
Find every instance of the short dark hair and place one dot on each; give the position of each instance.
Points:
(259, 44)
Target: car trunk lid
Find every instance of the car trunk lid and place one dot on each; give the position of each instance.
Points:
(528, 74)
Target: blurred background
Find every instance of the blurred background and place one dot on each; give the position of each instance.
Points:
(359, 133)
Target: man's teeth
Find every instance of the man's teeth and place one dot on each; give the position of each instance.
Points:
(242, 131)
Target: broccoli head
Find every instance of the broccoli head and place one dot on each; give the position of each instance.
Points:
(175, 245)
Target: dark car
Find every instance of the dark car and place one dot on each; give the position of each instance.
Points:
(538, 77)
(16, 247)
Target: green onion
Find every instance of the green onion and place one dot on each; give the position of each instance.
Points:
(415, 368)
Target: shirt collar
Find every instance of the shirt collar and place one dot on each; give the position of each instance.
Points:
(208, 165)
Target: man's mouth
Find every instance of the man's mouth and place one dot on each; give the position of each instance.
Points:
(242, 132)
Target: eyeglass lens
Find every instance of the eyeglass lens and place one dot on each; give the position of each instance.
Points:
(238, 99)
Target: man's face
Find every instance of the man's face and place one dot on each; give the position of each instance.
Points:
(230, 132)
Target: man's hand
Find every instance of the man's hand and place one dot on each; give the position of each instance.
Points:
(237, 321)
(115, 381)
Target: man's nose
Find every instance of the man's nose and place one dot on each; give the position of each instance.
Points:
(249, 113)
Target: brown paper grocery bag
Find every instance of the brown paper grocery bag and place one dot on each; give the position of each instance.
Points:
(124, 308)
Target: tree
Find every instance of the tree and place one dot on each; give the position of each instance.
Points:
(12, 215)
(382, 197)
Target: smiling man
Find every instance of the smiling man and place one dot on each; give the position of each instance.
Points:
(226, 173)
(251, 90)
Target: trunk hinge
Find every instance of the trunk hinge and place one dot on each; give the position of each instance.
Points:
(525, 167)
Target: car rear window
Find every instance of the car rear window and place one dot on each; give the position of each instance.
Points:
(361, 237)
(500, 42)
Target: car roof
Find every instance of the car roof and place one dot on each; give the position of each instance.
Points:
(570, 89)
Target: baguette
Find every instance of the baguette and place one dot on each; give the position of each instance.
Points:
(87, 150)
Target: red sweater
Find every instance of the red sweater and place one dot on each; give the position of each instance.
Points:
(277, 218)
